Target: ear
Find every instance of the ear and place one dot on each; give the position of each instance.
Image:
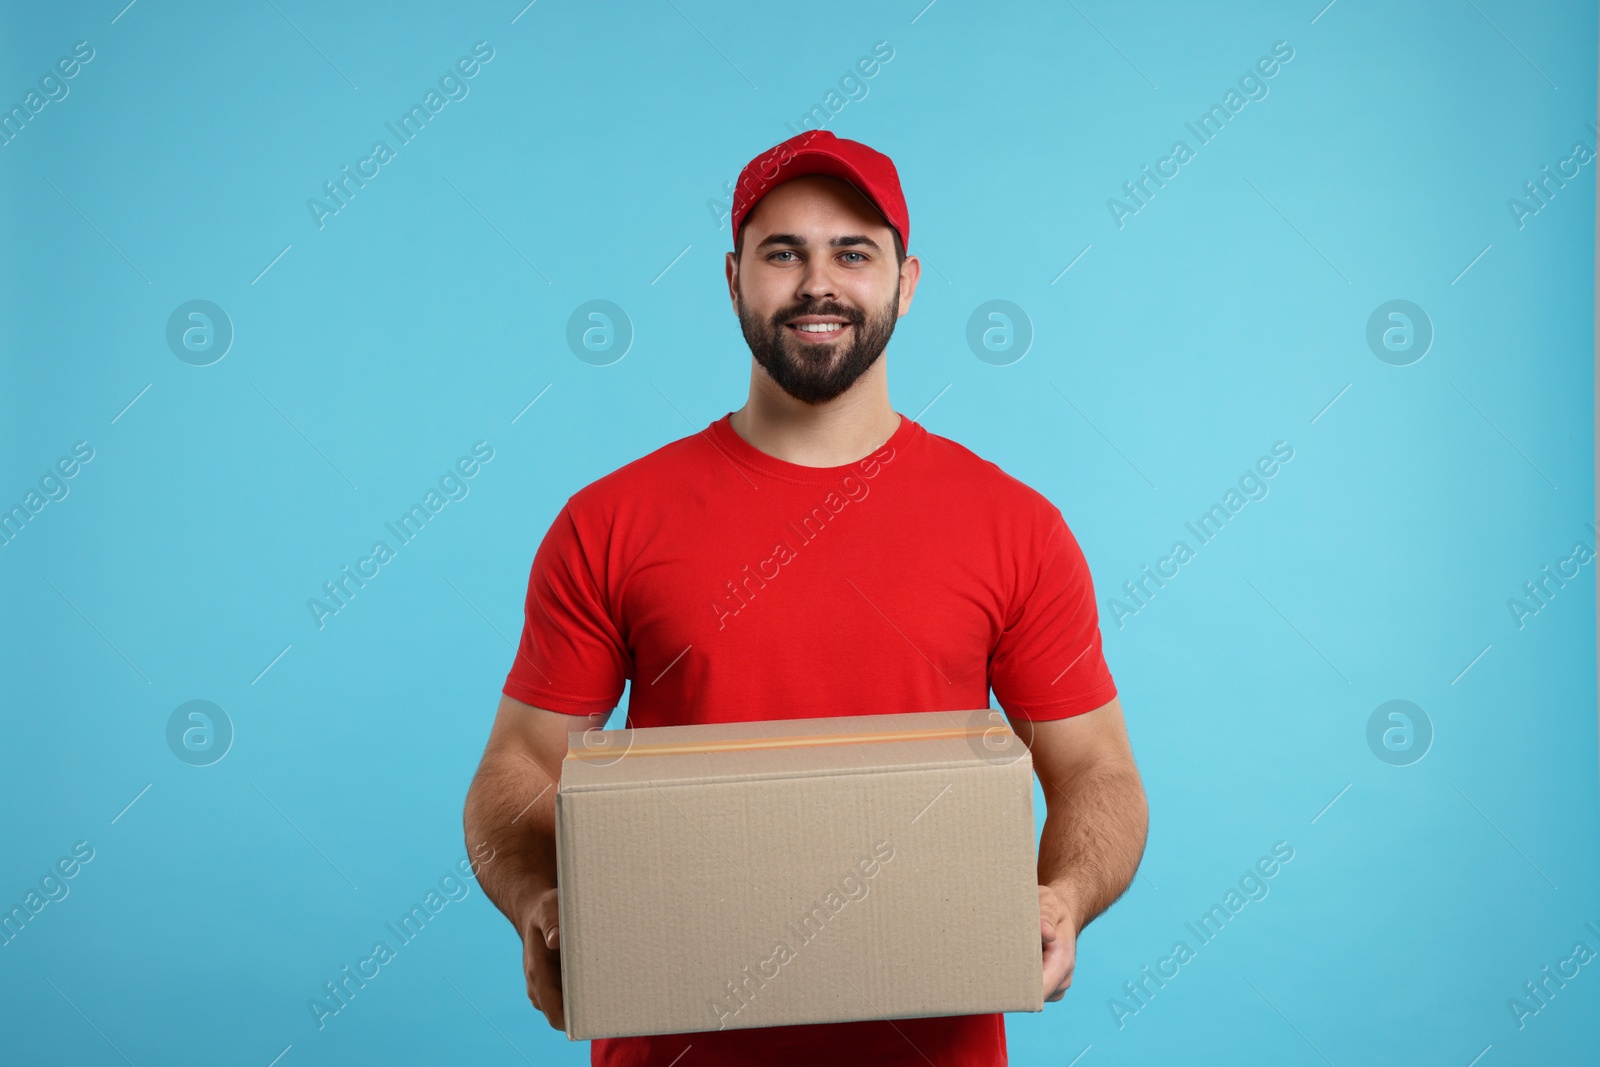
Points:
(732, 270)
(910, 274)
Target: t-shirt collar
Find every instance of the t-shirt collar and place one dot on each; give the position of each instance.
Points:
(727, 439)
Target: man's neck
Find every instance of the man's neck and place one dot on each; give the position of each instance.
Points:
(848, 428)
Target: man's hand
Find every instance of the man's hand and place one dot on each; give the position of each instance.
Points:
(511, 807)
(1058, 937)
(1094, 832)
(541, 957)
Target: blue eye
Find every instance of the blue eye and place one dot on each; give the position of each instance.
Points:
(861, 257)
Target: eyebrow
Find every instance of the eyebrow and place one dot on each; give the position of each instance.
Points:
(798, 241)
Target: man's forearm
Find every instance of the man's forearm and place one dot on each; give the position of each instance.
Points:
(511, 805)
(1093, 838)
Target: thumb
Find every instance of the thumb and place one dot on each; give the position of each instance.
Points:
(545, 917)
(1047, 930)
(552, 925)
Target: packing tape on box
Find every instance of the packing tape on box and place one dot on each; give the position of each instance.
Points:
(678, 748)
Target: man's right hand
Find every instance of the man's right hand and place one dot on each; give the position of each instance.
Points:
(520, 772)
(541, 957)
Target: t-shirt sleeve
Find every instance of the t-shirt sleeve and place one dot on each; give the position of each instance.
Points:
(1048, 663)
(572, 657)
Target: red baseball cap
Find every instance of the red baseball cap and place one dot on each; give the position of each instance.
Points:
(819, 152)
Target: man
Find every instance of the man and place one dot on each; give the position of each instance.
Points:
(813, 553)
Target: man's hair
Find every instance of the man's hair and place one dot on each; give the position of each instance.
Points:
(899, 249)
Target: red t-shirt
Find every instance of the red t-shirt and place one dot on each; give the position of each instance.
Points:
(730, 585)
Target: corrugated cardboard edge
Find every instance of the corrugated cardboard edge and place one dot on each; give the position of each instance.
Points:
(747, 744)
(564, 906)
(717, 733)
(756, 776)
(1034, 829)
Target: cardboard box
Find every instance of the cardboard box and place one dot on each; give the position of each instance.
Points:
(796, 871)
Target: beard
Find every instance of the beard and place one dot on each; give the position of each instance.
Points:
(815, 373)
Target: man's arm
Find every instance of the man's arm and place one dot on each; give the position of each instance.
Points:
(1094, 831)
(511, 806)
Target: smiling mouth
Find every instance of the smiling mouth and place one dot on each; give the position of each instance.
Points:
(817, 333)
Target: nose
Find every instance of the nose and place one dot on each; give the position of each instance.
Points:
(816, 281)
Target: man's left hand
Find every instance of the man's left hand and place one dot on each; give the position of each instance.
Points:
(1058, 938)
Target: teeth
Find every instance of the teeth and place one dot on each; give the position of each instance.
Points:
(819, 327)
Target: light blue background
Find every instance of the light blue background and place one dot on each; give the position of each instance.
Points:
(1226, 315)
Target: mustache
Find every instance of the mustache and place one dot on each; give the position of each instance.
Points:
(850, 315)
